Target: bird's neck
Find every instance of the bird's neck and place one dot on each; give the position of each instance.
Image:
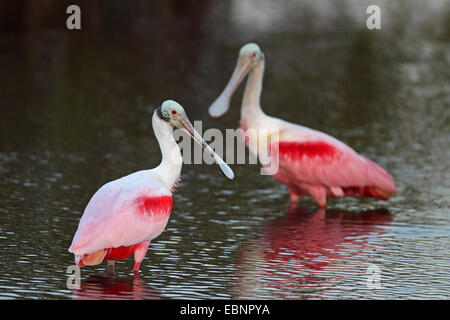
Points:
(251, 108)
(169, 169)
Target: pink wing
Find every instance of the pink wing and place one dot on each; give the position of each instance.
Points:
(123, 212)
(318, 159)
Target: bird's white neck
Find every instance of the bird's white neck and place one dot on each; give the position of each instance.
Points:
(251, 109)
(169, 169)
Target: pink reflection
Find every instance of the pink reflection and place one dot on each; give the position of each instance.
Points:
(108, 287)
(309, 251)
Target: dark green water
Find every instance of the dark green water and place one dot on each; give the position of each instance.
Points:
(76, 108)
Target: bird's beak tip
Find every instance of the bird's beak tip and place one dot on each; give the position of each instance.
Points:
(214, 116)
(217, 110)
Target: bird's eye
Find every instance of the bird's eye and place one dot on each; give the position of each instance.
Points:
(253, 54)
(174, 112)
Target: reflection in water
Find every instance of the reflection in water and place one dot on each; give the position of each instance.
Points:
(75, 110)
(306, 253)
(109, 287)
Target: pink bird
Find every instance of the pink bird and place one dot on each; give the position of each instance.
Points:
(311, 163)
(126, 214)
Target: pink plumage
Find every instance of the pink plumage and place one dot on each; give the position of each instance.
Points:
(121, 219)
(324, 168)
(310, 162)
(124, 215)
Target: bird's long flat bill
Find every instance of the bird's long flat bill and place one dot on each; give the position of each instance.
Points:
(197, 138)
(221, 105)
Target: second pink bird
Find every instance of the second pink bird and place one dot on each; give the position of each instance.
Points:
(311, 163)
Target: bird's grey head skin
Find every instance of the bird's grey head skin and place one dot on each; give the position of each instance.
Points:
(252, 52)
(171, 111)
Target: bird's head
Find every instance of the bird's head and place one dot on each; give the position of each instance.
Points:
(173, 113)
(250, 56)
(251, 52)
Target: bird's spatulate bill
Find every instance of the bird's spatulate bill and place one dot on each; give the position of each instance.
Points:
(198, 138)
(221, 105)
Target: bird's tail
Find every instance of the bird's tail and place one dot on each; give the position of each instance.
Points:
(90, 259)
(372, 192)
(378, 193)
(382, 186)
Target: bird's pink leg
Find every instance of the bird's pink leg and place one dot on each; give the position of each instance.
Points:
(294, 196)
(136, 267)
(139, 255)
(319, 194)
(110, 268)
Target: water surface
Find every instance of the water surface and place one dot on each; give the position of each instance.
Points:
(75, 113)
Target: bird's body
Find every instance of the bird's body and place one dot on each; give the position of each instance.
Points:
(310, 162)
(124, 215)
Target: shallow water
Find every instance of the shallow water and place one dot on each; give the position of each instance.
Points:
(76, 112)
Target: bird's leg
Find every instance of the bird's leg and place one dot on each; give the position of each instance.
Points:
(139, 255)
(136, 267)
(294, 197)
(319, 194)
(136, 277)
(110, 268)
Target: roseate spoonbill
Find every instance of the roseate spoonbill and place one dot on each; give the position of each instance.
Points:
(124, 215)
(311, 163)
